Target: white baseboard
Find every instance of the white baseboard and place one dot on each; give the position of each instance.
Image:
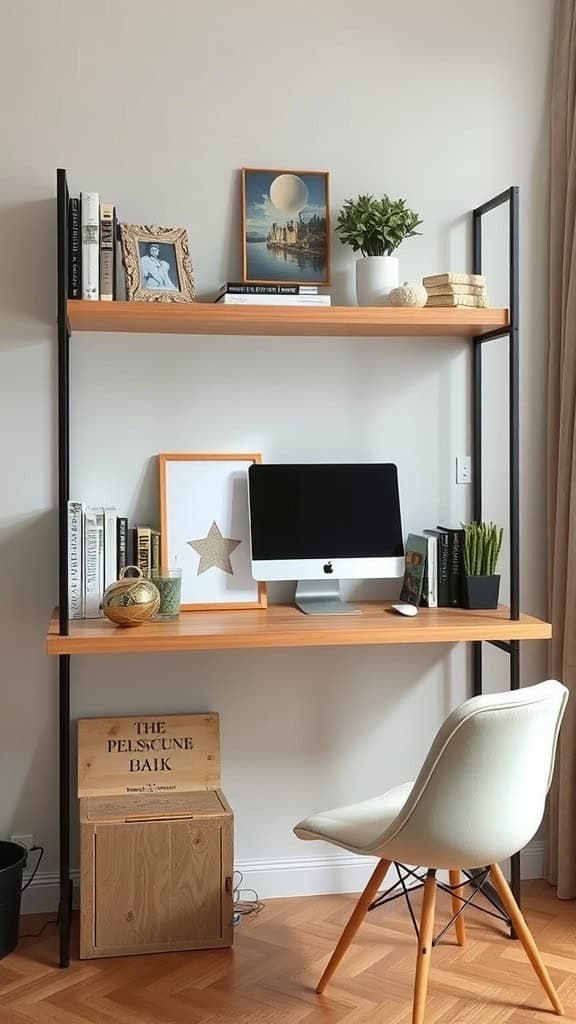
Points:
(307, 876)
(303, 876)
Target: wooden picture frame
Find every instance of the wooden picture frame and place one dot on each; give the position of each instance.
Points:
(205, 528)
(295, 249)
(165, 275)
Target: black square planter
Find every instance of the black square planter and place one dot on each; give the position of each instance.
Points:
(480, 591)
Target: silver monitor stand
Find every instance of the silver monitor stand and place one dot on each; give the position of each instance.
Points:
(322, 597)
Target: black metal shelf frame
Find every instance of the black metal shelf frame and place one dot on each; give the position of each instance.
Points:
(511, 198)
(512, 647)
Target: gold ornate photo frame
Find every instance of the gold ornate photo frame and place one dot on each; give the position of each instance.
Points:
(157, 263)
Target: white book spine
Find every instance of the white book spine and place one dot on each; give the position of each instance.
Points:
(275, 300)
(94, 562)
(110, 552)
(90, 245)
(75, 559)
(432, 571)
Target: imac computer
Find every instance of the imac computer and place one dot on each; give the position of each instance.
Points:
(319, 524)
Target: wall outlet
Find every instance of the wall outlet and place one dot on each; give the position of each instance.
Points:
(463, 469)
(27, 841)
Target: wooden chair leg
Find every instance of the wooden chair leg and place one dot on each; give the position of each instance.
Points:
(455, 878)
(525, 935)
(358, 915)
(424, 948)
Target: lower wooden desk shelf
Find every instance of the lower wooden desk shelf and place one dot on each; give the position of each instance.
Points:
(285, 626)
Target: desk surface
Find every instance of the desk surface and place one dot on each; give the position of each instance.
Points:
(285, 626)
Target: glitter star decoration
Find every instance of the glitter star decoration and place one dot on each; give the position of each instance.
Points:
(214, 551)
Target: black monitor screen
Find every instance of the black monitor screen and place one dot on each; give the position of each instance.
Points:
(325, 511)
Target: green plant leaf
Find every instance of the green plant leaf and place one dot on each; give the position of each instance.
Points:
(482, 546)
(376, 226)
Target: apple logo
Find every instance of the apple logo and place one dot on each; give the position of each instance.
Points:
(328, 568)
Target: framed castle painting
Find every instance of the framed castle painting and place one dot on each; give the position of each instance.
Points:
(285, 226)
(204, 522)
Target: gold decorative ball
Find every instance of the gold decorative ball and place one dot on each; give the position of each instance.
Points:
(130, 601)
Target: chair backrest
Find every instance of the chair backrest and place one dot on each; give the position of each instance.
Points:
(480, 794)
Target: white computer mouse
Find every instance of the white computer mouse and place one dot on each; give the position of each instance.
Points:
(405, 609)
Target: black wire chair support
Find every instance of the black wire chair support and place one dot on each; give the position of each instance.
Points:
(477, 880)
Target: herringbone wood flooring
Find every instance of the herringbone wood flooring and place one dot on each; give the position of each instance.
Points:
(269, 976)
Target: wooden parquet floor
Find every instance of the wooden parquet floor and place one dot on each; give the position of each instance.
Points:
(269, 976)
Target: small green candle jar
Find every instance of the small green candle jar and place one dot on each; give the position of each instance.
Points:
(169, 585)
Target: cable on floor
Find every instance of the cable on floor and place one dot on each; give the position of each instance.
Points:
(245, 901)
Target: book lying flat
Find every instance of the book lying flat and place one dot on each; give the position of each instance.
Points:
(478, 301)
(456, 289)
(451, 278)
(238, 288)
(274, 300)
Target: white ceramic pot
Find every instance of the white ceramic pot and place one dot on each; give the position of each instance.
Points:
(375, 277)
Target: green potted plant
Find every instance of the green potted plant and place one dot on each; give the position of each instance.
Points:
(375, 228)
(482, 546)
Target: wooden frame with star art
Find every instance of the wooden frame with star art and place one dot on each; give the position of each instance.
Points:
(204, 521)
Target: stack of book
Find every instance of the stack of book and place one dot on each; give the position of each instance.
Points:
(456, 290)
(235, 293)
(436, 560)
(100, 546)
(91, 248)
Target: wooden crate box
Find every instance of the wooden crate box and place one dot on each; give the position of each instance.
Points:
(156, 836)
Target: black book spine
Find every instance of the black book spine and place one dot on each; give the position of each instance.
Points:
(134, 550)
(114, 256)
(455, 564)
(121, 544)
(74, 250)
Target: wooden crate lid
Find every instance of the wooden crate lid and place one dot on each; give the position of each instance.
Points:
(201, 804)
(148, 754)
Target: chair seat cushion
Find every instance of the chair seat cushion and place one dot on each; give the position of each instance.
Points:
(356, 827)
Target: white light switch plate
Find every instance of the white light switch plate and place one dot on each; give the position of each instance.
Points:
(463, 469)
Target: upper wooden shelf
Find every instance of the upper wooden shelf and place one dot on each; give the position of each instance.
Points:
(285, 626)
(307, 321)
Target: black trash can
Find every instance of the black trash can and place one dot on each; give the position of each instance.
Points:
(12, 863)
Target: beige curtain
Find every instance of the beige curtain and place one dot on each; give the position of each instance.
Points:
(561, 852)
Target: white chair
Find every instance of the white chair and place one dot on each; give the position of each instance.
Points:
(478, 799)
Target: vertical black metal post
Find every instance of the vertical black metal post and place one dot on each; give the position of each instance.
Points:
(514, 385)
(64, 762)
(63, 495)
(63, 399)
(477, 434)
(514, 457)
(511, 197)
(515, 883)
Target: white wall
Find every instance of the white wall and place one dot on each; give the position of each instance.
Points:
(157, 107)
